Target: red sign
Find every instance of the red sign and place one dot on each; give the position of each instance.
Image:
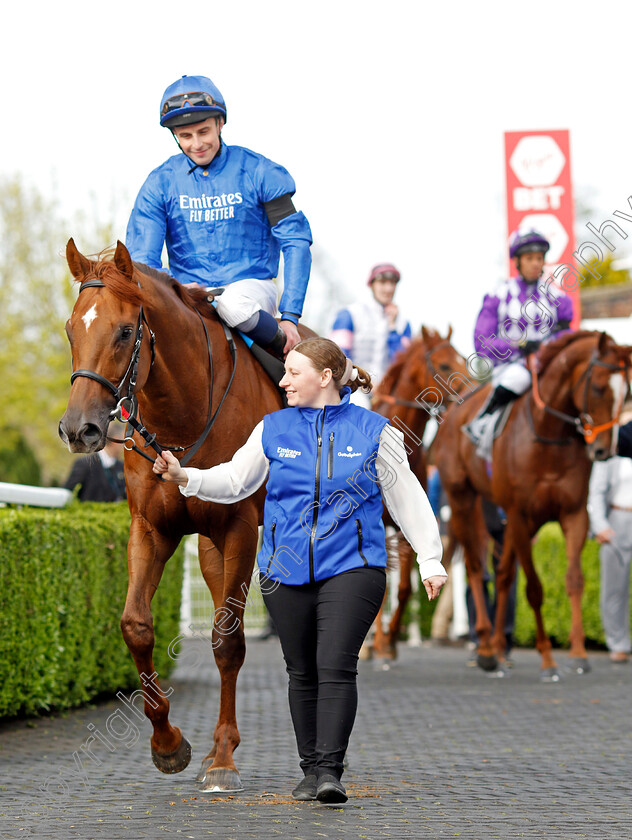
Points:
(540, 195)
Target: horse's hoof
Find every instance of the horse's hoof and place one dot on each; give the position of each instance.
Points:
(206, 763)
(550, 675)
(578, 665)
(222, 780)
(500, 672)
(487, 663)
(173, 762)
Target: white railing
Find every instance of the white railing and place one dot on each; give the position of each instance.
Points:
(196, 611)
(25, 494)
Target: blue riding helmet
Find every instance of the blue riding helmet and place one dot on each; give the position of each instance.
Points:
(191, 99)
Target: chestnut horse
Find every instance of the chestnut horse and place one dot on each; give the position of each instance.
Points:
(540, 471)
(171, 356)
(429, 373)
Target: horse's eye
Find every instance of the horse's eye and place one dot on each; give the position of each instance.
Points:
(445, 368)
(126, 332)
(599, 390)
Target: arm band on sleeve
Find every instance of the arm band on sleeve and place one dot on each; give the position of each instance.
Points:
(279, 208)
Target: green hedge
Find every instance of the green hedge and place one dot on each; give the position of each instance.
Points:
(63, 581)
(549, 553)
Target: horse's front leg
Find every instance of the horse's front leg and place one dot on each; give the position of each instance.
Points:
(518, 537)
(228, 577)
(505, 576)
(379, 647)
(148, 551)
(469, 530)
(406, 557)
(575, 527)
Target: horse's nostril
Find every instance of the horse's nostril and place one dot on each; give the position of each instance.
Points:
(89, 433)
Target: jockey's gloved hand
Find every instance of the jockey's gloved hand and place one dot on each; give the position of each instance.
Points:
(530, 347)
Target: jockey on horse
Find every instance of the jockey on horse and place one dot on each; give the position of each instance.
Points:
(225, 214)
(508, 308)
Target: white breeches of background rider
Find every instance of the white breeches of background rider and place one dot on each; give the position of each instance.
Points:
(240, 302)
(513, 376)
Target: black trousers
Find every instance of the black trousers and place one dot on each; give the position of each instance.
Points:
(321, 628)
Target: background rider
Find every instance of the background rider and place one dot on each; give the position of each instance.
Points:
(372, 331)
(536, 313)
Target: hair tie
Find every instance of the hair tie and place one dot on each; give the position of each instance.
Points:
(351, 372)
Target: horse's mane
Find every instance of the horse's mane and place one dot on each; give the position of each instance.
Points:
(551, 349)
(105, 270)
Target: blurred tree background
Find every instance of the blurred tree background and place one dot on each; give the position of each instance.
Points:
(36, 298)
(610, 274)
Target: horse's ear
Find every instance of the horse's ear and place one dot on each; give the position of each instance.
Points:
(123, 261)
(78, 264)
(449, 335)
(602, 346)
(424, 333)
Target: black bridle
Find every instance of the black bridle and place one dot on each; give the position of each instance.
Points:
(132, 368)
(128, 414)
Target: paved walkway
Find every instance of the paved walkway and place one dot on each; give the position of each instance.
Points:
(439, 750)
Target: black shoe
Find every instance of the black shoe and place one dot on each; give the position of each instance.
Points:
(330, 789)
(306, 789)
(500, 398)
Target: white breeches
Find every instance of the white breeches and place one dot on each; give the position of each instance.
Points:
(240, 301)
(513, 376)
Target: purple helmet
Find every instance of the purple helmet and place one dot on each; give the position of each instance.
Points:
(191, 99)
(524, 241)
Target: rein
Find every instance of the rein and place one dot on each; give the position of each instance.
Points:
(583, 423)
(128, 415)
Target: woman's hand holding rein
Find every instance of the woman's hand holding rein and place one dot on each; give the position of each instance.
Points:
(432, 585)
(168, 466)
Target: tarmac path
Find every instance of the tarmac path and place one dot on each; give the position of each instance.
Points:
(438, 750)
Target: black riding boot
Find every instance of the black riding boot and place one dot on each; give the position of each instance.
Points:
(275, 347)
(499, 398)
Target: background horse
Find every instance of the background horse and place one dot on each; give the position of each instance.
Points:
(540, 472)
(428, 374)
(168, 351)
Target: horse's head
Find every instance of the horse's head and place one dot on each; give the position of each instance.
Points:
(110, 359)
(599, 377)
(606, 387)
(426, 376)
(445, 367)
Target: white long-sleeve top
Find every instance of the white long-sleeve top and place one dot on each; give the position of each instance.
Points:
(404, 496)
(610, 484)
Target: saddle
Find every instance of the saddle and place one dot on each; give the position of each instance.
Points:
(483, 429)
(273, 367)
